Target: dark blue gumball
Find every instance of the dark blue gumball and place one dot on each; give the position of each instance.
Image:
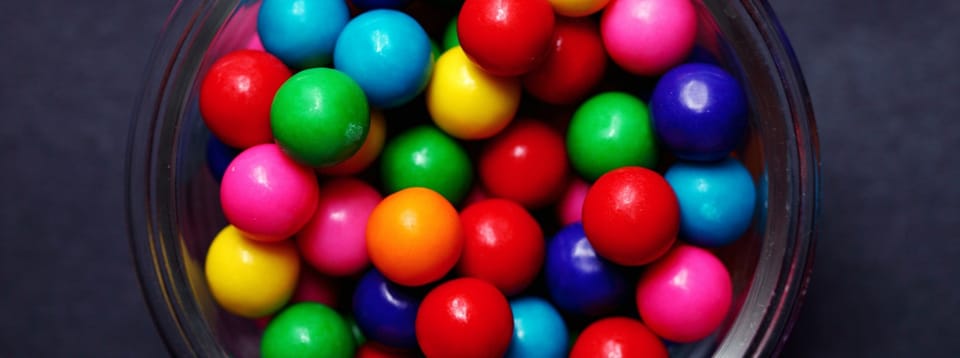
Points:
(579, 281)
(219, 156)
(380, 4)
(385, 311)
(699, 112)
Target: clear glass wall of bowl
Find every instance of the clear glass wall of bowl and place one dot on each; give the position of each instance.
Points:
(173, 209)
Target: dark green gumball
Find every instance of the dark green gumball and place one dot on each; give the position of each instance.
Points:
(426, 157)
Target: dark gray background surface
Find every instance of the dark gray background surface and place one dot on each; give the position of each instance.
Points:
(882, 75)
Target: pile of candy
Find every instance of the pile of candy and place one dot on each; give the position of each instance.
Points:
(356, 160)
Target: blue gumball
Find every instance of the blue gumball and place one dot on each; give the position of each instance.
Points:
(579, 281)
(219, 156)
(302, 33)
(386, 312)
(716, 200)
(380, 4)
(388, 54)
(699, 112)
(538, 330)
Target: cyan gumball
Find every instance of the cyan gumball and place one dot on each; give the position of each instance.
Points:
(716, 201)
(386, 312)
(302, 33)
(388, 54)
(538, 330)
(578, 280)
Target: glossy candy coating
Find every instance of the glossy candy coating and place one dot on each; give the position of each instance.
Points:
(608, 131)
(307, 329)
(573, 65)
(631, 216)
(302, 33)
(414, 236)
(388, 54)
(503, 245)
(267, 195)
(426, 157)
(716, 201)
(684, 296)
(505, 37)
(648, 37)
(385, 311)
(578, 280)
(334, 241)
(526, 163)
(368, 152)
(464, 317)
(538, 330)
(219, 156)
(236, 94)
(699, 112)
(578, 8)
(250, 278)
(467, 102)
(570, 207)
(617, 337)
(320, 117)
(379, 4)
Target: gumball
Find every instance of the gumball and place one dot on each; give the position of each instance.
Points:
(254, 43)
(425, 157)
(609, 131)
(467, 102)
(579, 281)
(320, 117)
(450, 39)
(578, 8)
(616, 337)
(250, 278)
(236, 94)
(685, 296)
(302, 33)
(699, 112)
(307, 329)
(414, 236)
(379, 4)
(631, 216)
(267, 195)
(334, 241)
(314, 287)
(526, 163)
(376, 350)
(465, 317)
(503, 245)
(388, 54)
(648, 37)
(570, 207)
(219, 156)
(368, 152)
(538, 330)
(385, 311)
(573, 65)
(716, 200)
(505, 37)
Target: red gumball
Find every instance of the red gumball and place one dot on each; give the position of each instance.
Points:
(505, 37)
(631, 216)
(465, 317)
(527, 163)
(573, 66)
(617, 337)
(503, 245)
(236, 95)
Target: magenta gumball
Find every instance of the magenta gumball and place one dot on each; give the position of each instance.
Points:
(570, 207)
(267, 195)
(684, 296)
(314, 287)
(334, 241)
(648, 37)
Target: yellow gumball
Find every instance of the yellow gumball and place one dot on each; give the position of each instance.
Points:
(468, 103)
(578, 8)
(251, 278)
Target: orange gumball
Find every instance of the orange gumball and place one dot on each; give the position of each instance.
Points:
(367, 153)
(414, 236)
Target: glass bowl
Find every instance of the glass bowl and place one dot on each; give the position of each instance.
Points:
(173, 210)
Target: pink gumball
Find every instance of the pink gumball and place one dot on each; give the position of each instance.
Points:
(254, 43)
(266, 194)
(314, 287)
(334, 241)
(648, 37)
(570, 208)
(685, 295)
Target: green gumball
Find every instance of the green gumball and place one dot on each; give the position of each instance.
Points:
(308, 329)
(609, 131)
(320, 117)
(426, 157)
